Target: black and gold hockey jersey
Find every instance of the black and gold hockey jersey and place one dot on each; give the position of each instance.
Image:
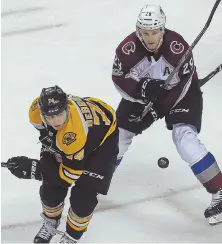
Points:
(90, 122)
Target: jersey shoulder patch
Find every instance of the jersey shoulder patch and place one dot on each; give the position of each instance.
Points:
(175, 42)
(128, 45)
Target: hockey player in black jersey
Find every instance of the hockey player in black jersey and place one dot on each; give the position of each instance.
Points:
(79, 140)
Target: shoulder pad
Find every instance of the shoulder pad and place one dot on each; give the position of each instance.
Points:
(34, 114)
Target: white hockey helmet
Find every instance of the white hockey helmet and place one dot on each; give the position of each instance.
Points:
(151, 17)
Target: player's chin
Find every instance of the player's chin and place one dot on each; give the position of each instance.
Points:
(57, 127)
(152, 46)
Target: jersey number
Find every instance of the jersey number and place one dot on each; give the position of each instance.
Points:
(95, 111)
(187, 67)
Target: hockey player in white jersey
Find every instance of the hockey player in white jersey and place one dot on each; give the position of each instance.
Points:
(142, 63)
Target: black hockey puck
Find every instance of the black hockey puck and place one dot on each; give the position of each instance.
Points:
(163, 162)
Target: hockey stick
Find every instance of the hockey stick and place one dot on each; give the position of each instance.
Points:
(163, 162)
(189, 50)
(209, 76)
(185, 56)
(202, 82)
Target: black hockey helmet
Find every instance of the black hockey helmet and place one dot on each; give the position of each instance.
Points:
(53, 100)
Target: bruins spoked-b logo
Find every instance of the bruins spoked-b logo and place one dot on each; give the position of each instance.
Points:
(69, 138)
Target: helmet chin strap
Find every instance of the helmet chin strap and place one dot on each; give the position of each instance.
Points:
(144, 44)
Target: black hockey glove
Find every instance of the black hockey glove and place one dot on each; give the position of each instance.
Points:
(137, 116)
(45, 139)
(150, 89)
(25, 168)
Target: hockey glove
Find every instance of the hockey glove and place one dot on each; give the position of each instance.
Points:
(25, 168)
(150, 89)
(137, 116)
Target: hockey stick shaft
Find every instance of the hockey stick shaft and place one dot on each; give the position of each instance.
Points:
(189, 50)
(209, 76)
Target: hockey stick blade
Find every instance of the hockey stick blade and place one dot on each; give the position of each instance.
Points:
(4, 164)
(209, 76)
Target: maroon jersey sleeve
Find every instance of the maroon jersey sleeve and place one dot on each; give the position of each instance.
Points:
(125, 58)
(174, 48)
